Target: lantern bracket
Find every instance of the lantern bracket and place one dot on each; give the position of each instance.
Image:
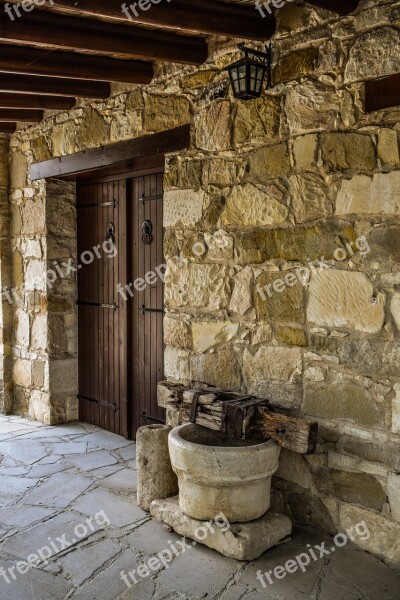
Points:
(264, 58)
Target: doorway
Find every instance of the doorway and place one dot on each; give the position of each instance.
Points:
(120, 299)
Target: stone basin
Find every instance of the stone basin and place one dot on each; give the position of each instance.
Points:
(219, 474)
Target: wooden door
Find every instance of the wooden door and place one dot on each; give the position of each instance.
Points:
(120, 300)
(147, 323)
(103, 319)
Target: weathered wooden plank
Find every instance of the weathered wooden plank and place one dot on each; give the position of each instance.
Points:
(261, 421)
(382, 93)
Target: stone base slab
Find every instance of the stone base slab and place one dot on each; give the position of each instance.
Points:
(242, 541)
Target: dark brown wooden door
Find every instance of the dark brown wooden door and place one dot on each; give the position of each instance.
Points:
(103, 319)
(120, 334)
(147, 323)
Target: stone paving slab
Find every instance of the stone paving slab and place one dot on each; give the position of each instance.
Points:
(59, 496)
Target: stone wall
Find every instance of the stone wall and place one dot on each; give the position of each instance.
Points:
(266, 187)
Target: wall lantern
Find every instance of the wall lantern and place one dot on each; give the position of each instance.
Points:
(247, 75)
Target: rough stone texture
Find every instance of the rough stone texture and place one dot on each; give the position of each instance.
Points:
(264, 187)
(156, 479)
(343, 299)
(242, 541)
(342, 401)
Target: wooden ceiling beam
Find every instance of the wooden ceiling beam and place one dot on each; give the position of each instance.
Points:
(10, 115)
(57, 86)
(12, 100)
(19, 59)
(341, 7)
(198, 16)
(382, 93)
(58, 31)
(8, 127)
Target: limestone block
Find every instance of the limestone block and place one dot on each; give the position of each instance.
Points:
(214, 126)
(381, 453)
(342, 401)
(358, 488)
(293, 468)
(343, 151)
(183, 207)
(177, 333)
(248, 206)
(278, 302)
(176, 365)
(345, 299)
(64, 139)
(199, 79)
(39, 332)
(395, 309)
(394, 495)
(363, 195)
(241, 299)
(271, 365)
(33, 216)
(314, 374)
(388, 146)
(311, 106)
(304, 149)
(384, 535)
(310, 197)
(310, 511)
(374, 54)
(156, 479)
(220, 172)
(219, 368)
(197, 286)
(291, 336)
(18, 170)
(22, 329)
(396, 409)
(257, 120)
(295, 65)
(165, 112)
(268, 163)
(39, 406)
(35, 276)
(63, 375)
(208, 334)
(22, 372)
(241, 541)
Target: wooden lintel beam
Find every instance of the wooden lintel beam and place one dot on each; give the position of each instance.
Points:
(12, 100)
(8, 127)
(341, 7)
(382, 93)
(57, 86)
(164, 142)
(63, 32)
(17, 59)
(197, 16)
(246, 420)
(10, 115)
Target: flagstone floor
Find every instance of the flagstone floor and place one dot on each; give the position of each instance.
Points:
(68, 503)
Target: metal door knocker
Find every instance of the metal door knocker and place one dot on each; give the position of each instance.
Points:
(147, 229)
(110, 233)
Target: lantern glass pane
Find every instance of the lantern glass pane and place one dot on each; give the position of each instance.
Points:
(234, 74)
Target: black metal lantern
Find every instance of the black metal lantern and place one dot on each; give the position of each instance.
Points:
(247, 75)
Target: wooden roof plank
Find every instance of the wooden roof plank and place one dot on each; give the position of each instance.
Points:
(58, 86)
(42, 102)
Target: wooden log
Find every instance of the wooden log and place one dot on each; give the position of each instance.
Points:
(257, 419)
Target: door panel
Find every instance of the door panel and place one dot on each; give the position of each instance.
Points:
(102, 318)
(147, 322)
(120, 336)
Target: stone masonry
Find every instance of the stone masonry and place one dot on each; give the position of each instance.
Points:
(300, 175)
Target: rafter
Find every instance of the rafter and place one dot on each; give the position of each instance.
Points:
(72, 33)
(8, 127)
(197, 16)
(10, 115)
(30, 84)
(20, 59)
(341, 7)
(12, 100)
